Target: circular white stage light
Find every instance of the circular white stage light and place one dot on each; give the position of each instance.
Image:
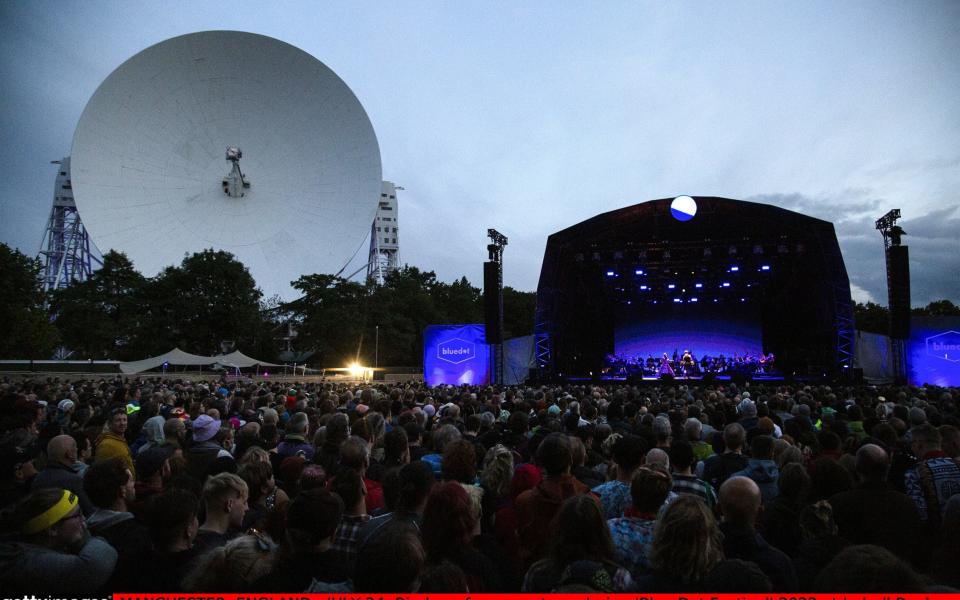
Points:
(683, 208)
(229, 140)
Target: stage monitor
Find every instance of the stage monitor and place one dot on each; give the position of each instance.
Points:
(704, 329)
(455, 355)
(933, 351)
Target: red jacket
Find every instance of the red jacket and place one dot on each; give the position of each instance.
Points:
(536, 508)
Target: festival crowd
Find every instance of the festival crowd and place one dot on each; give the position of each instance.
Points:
(167, 485)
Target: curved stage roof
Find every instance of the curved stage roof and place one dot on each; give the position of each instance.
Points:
(783, 266)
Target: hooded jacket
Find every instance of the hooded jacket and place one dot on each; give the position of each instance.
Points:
(536, 508)
(765, 474)
(32, 569)
(110, 445)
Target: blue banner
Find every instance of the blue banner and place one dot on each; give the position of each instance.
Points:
(455, 354)
(933, 351)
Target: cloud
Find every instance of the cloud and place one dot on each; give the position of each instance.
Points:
(931, 237)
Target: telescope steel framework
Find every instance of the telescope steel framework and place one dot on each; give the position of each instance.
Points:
(65, 251)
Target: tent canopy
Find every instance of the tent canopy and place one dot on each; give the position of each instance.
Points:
(179, 357)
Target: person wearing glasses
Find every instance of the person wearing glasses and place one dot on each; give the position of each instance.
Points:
(51, 551)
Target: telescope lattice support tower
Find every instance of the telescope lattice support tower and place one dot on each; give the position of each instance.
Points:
(66, 251)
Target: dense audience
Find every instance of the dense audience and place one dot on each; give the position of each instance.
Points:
(167, 485)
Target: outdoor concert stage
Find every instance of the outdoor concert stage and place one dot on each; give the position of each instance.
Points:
(732, 282)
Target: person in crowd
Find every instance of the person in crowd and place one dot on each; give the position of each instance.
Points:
(740, 502)
(439, 440)
(820, 542)
(295, 438)
(720, 467)
(175, 433)
(682, 459)
(17, 470)
(934, 479)
(60, 471)
(151, 435)
(172, 521)
(873, 512)
(225, 505)
(264, 498)
(47, 549)
(349, 486)
(112, 442)
(110, 487)
(451, 519)
(761, 468)
(153, 472)
(495, 481)
(632, 534)
(687, 547)
(614, 495)
(307, 557)
(355, 454)
(779, 521)
(536, 507)
(868, 569)
(204, 451)
(235, 566)
(415, 481)
(693, 432)
(392, 560)
(578, 533)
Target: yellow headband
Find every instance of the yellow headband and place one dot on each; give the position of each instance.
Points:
(52, 515)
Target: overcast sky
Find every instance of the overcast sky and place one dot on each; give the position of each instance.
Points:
(533, 116)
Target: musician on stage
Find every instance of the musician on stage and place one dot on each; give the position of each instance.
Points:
(686, 364)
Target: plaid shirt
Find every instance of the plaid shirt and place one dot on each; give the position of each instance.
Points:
(346, 542)
(689, 484)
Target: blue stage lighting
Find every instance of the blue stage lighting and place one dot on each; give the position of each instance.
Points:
(734, 269)
(639, 272)
(671, 286)
(643, 287)
(725, 284)
(698, 285)
(694, 299)
(611, 274)
(765, 268)
(677, 300)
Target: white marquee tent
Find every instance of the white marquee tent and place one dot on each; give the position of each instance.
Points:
(236, 360)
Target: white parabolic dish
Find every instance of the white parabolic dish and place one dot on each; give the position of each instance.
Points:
(148, 158)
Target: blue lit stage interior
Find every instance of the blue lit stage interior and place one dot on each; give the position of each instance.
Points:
(740, 281)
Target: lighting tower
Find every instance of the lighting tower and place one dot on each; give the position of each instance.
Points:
(493, 300)
(898, 290)
(66, 251)
(384, 255)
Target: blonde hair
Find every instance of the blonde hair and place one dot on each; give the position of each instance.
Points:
(254, 454)
(234, 566)
(497, 470)
(687, 543)
(222, 486)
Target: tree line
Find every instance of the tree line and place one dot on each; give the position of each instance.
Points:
(211, 298)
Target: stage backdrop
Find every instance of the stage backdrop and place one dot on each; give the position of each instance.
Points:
(703, 329)
(455, 354)
(933, 351)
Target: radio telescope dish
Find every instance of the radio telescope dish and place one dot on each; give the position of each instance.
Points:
(229, 140)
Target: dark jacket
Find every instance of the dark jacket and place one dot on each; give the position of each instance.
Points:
(720, 467)
(765, 474)
(57, 475)
(874, 513)
(129, 537)
(26, 568)
(746, 544)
